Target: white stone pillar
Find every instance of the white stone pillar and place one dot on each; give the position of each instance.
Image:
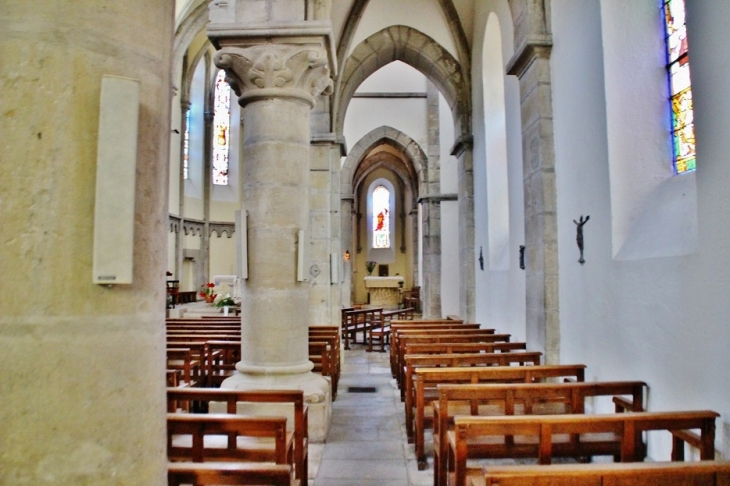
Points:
(83, 388)
(277, 84)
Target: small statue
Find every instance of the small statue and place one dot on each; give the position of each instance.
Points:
(579, 236)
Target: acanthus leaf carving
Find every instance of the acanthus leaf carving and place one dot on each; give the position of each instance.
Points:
(276, 70)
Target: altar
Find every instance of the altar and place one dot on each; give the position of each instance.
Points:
(384, 291)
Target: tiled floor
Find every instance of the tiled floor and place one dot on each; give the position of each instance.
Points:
(366, 444)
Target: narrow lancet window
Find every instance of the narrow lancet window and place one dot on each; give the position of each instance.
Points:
(680, 86)
(381, 217)
(186, 144)
(221, 129)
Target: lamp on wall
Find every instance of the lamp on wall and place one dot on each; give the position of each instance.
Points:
(347, 255)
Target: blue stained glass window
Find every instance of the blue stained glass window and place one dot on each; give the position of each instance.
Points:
(186, 144)
(680, 86)
(221, 129)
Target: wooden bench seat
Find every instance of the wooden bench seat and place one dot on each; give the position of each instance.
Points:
(224, 356)
(193, 437)
(417, 361)
(330, 335)
(450, 336)
(578, 436)
(382, 332)
(360, 320)
(521, 399)
(699, 473)
(461, 333)
(452, 348)
(231, 474)
(189, 367)
(293, 400)
(396, 324)
(426, 381)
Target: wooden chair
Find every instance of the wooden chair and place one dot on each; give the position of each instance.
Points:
(412, 298)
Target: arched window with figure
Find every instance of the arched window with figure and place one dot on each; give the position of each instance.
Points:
(221, 129)
(680, 86)
(381, 217)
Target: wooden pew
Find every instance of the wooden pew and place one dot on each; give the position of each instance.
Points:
(330, 335)
(199, 351)
(226, 437)
(416, 361)
(450, 336)
(188, 366)
(547, 436)
(396, 324)
(453, 348)
(401, 332)
(427, 379)
(521, 399)
(382, 332)
(183, 399)
(360, 320)
(232, 474)
(701, 473)
(224, 356)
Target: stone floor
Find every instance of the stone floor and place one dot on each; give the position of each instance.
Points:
(366, 444)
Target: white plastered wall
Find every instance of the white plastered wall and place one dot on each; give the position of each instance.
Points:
(500, 287)
(430, 20)
(663, 319)
(450, 267)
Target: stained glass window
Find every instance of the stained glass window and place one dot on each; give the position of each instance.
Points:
(186, 144)
(381, 217)
(680, 86)
(221, 129)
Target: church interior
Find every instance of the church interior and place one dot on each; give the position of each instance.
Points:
(533, 166)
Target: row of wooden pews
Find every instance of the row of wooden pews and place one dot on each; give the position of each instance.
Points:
(213, 438)
(235, 437)
(204, 352)
(486, 397)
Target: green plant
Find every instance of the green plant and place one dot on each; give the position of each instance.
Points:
(227, 300)
(370, 265)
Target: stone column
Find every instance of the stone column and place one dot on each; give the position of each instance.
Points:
(324, 209)
(463, 150)
(277, 84)
(431, 291)
(532, 65)
(83, 388)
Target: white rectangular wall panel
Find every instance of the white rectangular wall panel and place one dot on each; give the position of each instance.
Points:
(242, 244)
(334, 268)
(116, 165)
(301, 257)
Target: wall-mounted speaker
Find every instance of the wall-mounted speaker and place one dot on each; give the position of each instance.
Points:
(116, 166)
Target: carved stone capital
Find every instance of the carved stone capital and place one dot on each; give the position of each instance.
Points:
(276, 71)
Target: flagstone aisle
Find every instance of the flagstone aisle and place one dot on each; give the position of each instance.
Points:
(366, 444)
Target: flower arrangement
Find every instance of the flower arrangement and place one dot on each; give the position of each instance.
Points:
(224, 301)
(208, 291)
(370, 266)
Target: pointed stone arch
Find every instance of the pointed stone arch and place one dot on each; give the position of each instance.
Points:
(408, 45)
(410, 149)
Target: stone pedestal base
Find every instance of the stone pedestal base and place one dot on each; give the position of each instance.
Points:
(317, 396)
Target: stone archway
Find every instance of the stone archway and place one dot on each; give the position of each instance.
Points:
(407, 161)
(408, 45)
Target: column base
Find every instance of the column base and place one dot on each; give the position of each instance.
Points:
(317, 395)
